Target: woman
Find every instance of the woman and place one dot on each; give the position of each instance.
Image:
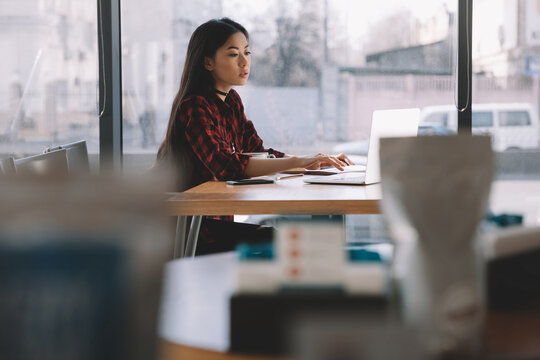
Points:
(208, 132)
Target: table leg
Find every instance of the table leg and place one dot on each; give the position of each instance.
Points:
(180, 238)
(193, 236)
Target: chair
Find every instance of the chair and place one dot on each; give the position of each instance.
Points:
(77, 156)
(7, 167)
(53, 163)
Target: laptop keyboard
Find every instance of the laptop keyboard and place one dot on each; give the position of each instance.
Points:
(349, 177)
(346, 178)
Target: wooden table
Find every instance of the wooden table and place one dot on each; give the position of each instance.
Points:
(287, 196)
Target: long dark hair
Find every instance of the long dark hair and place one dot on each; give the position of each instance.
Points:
(204, 42)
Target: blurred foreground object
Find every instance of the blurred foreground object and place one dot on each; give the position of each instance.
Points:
(435, 192)
(513, 271)
(310, 256)
(80, 267)
(305, 275)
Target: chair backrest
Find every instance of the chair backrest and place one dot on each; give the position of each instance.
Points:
(77, 156)
(7, 166)
(53, 163)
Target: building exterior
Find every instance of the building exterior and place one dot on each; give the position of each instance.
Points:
(48, 82)
(506, 33)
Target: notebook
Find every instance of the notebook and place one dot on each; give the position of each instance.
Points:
(384, 123)
(326, 170)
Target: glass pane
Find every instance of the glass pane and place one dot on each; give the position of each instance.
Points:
(482, 119)
(49, 76)
(436, 118)
(506, 68)
(319, 68)
(514, 118)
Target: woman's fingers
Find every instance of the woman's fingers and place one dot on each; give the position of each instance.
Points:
(321, 160)
(344, 159)
(334, 162)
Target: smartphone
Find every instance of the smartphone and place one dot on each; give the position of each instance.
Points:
(250, 181)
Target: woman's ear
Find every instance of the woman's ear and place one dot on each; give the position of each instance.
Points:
(208, 63)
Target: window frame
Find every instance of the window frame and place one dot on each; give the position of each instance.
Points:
(464, 67)
(110, 79)
(110, 86)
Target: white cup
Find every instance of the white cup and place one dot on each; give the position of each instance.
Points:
(262, 155)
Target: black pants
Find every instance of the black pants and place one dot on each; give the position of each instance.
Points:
(218, 236)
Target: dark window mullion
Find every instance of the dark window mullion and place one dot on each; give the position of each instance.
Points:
(110, 85)
(464, 68)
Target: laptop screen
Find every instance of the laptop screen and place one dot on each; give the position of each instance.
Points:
(388, 123)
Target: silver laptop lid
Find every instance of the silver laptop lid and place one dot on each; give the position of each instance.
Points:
(388, 123)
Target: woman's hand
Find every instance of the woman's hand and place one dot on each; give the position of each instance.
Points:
(344, 158)
(322, 160)
(258, 167)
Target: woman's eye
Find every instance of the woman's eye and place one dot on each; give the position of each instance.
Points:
(248, 53)
(233, 55)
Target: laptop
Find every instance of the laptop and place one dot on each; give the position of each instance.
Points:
(384, 123)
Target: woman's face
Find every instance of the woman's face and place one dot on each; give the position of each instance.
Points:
(230, 65)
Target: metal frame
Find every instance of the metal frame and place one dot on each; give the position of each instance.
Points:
(184, 244)
(110, 85)
(464, 68)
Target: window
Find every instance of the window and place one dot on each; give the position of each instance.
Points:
(48, 77)
(482, 119)
(505, 49)
(514, 118)
(319, 68)
(438, 118)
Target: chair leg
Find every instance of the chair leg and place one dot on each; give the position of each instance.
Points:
(193, 236)
(180, 238)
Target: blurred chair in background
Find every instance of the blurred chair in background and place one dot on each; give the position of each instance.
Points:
(7, 167)
(81, 265)
(77, 156)
(52, 163)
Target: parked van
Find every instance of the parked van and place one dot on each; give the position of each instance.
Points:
(512, 125)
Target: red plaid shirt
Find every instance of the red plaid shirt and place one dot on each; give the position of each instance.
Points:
(217, 133)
